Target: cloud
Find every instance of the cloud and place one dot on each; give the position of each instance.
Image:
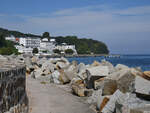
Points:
(117, 27)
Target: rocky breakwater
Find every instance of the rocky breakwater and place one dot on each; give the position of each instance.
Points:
(108, 88)
(13, 98)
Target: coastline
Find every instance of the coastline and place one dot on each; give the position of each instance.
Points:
(81, 55)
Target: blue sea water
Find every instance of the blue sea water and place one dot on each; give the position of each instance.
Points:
(142, 61)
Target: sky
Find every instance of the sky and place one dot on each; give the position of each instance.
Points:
(124, 25)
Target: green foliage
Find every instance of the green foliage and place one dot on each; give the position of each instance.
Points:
(84, 46)
(7, 47)
(35, 50)
(46, 35)
(6, 32)
(69, 51)
(45, 51)
(57, 51)
(8, 51)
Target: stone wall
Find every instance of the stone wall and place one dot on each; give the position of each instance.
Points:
(13, 98)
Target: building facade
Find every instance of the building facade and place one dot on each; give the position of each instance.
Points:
(11, 38)
(47, 45)
(64, 47)
(30, 42)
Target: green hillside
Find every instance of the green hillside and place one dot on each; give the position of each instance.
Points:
(83, 45)
(6, 32)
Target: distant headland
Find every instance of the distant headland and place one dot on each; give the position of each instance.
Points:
(17, 42)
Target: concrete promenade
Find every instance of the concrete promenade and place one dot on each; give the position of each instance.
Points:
(49, 98)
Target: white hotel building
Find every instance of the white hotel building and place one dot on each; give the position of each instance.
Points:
(30, 42)
(27, 44)
(45, 44)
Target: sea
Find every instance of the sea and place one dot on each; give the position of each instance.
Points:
(142, 61)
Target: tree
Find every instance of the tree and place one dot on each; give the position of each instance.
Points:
(69, 51)
(45, 51)
(35, 50)
(57, 51)
(46, 35)
(8, 51)
(2, 41)
(7, 47)
(84, 46)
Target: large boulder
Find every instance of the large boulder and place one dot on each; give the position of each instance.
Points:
(132, 104)
(81, 67)
(71, 72)
(78, 87)
(95, 73)
(98, 70)
(55, 77)
(95, 98)
(95, 63)
(34, 59)
(48, 67)
(82, 74)
(79, 90)
(28, 62)
(145, 109)
(118, 97)
(146, 75)
(42, 61)
(62, 59)
(109, 65)
(38, 73)
(63, 78)
(61, 65)
(125, 80)
(109, 86)
(121, 66)
(142, 87)
(102, 102)
(98, 84)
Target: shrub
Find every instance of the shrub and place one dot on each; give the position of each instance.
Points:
(69, 51)
(57, 51)
(35, 50)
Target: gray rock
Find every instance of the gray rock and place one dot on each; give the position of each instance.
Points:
(95, 63)
(125, 81)
(98, 84)
(55, 77)
(32, 75)
(63, 78)
(75, 63)
(109, 86)
(34, 59)
(82, 74)
(28, 61)
(65, 60)
(142, 86)
(118, 97)
(81, 67)
(38, 73)
(71, 71)
(61, 65)
(109, 65)
(99, 70)
(42, 61)
(95, 98)
(48, 67)
(93, 76)
(121, 66)
(132, 104)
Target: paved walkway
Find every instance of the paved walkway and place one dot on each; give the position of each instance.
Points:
(48, 98)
